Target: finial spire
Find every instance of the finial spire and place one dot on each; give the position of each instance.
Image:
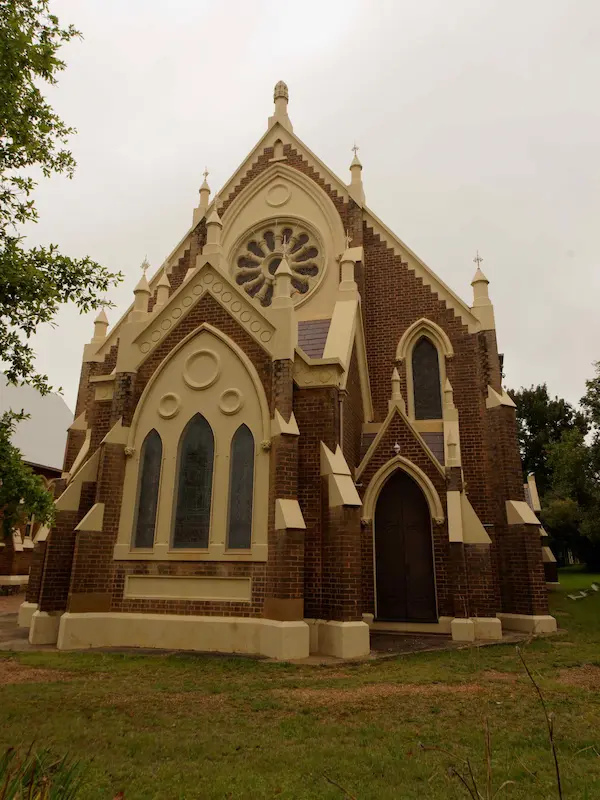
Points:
(100, 326)
(200, 211)
(355, 188)
(281, 96)
(482, 305)
(145, 265)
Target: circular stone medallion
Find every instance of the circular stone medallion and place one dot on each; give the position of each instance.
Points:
(278, 195)
(231, 401)
(169, 405)
(201, 369)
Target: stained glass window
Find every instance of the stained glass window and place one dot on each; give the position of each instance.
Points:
(426, 380)
(150, 462)
(241, 487)
(194, 484)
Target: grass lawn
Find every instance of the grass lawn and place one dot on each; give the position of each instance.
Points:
(188, 726)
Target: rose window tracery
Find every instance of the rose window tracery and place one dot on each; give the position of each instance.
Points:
(261, 252)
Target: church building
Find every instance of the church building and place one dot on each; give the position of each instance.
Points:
(295, 435)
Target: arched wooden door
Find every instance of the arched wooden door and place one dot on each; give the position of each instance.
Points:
(404, 576)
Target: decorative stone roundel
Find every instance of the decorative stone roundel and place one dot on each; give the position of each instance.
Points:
(201, 369)
(231, 401)
(261, 251)
(169, 405)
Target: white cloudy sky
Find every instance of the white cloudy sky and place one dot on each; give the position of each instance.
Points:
(478, 123)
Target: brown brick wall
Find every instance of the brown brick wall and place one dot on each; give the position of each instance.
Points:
(410, 448)
(352, 415)
(35, 574)
(317, 414)
(256, 571)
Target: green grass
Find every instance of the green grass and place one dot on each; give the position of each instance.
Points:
(186, 726)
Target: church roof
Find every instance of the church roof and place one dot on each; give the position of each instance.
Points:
(41, 438)
(312, 336)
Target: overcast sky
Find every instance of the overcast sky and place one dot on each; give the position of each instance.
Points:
(478, 124)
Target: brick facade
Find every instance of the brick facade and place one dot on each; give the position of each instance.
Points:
(324, 571)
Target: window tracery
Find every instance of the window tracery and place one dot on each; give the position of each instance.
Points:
(149, 481)
(261, 252)
(194, 485)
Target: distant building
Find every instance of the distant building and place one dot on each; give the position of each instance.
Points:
(42, 440)
(296, 433)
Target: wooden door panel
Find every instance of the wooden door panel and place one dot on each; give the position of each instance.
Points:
(403, 553)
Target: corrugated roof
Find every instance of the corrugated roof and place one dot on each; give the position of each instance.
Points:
(312, 335)
(41, 438)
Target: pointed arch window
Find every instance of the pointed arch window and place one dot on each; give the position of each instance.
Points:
(194, 484)
(426, 380)
(149, 480)
(241, 489)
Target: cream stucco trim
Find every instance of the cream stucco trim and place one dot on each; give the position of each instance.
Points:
(146, 336)
(519, 513)
(548, 556)
(316, 371)
(339, 639)
(170, 399)
(397, 409)
(14, 580)
(441, 626)
(280, 426)
(424, 327)
(342, 491)
(416, 473)
(288, 515)
(26, 612)
(473, 530)
(170, 587)
(429, 425)
(69, 499)
(340, 338)
(80, 457)
(93, 520)
(455, 520)
(494, 399)
(44, 627)
(279, 640)
(118, 434)
(79, 424)
(533, 493)
(438, 337)
(528, 623)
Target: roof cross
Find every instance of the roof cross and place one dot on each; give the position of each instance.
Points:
(145, 264)
(477, 260)
(355, 148)
(206, 173)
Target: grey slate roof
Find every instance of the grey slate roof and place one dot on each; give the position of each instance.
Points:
(312, 335)
(42, 438)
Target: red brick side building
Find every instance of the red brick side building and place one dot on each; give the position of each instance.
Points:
(295, 434)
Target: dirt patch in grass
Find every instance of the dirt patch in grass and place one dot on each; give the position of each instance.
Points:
(375, 691)
(182, 702)
(13, 672)
(585, 677)
(503, 677)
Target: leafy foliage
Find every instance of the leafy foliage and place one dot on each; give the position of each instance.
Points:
(33, 283)
(22, 492)
(542, 421)
(561, 445)
(38, 776)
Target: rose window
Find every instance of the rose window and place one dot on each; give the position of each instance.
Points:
(261, 254)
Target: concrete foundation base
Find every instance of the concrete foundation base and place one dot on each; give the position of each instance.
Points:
(26, 612)
(44, 627)
(441, 626)
(527, 623)
(280, 640)
(339, 639)
(487, 628)
(463, 630)
(14, 580)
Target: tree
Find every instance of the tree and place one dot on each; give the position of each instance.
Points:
(22, 492)
(542, 421)
(34, 282)
(571, 507)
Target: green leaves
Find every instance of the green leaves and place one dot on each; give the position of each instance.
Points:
(33, 283)
(22, 492)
